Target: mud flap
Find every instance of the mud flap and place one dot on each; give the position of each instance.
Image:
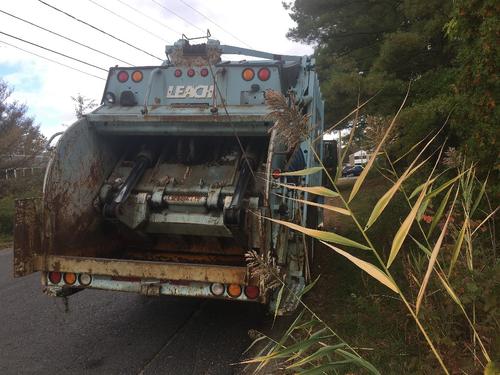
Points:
(27, 235)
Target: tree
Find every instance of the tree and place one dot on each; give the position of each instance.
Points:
(447, 49)
(20, 142)
(82, 105)
(20, 138)
(474, 27)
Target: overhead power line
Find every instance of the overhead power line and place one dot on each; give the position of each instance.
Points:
(51, 50)
(98, 29)
(215, 23)
(175, 14)
(53, 61)
(127, 20)
(148, 16)
(65, 37)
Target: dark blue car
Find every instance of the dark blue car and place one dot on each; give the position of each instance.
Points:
(352, 171)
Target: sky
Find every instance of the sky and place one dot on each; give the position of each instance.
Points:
(46, 88)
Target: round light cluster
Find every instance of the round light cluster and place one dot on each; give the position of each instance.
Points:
(235, 290)
(263, 74)
(69, 278)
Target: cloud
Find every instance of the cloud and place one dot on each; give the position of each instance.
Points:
(47, 88)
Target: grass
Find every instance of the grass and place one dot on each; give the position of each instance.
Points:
(371, 318)
(362, 312)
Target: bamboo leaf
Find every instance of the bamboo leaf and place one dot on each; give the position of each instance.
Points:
(491, 214)
(419, 188)
(369, 268)
(278, 302)
(443, 187)
(328, 207)
(359, 361)
(479, 197)
(458, 246)
(491, 369)
(421, 246)
(439, 213)
(308, 287)
(318, 190)
(364, 173)
(325, 369)
(321, 235)
(303, 172)
(301, 345)
(387, 197)
(321, 352)
(432, 262)
(384, 201)
(448, 289)
(403, 230)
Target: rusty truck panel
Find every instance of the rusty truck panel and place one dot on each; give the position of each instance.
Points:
(142, 269)
(27, 235)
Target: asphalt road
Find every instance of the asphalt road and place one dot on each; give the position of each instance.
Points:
(117, 333)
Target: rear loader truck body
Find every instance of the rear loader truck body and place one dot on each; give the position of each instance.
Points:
(165, 187)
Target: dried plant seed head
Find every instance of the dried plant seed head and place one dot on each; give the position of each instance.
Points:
(290, 124)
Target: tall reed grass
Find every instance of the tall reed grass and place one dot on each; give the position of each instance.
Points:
(444, 237)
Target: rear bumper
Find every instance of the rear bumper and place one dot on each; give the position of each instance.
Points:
(143, 269)
(148, 287)
(147, 278)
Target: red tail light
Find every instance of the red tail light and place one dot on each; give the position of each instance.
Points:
(178, 73)
(264, 74)
(55, 277)
(252, 292)
(191, 72)
(204, 72)
(276, 173)
(122, 76)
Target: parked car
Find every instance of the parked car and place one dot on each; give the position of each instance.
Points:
(352, 171)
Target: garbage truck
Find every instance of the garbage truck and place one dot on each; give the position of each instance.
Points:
(169, 184)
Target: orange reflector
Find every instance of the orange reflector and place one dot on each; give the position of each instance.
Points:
(69, 278)
(234, 290)
(248, 74)
(137, 76)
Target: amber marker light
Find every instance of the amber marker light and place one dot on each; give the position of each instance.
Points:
(137, 76)
(69, 278)
(234, 290)
(248, 74)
